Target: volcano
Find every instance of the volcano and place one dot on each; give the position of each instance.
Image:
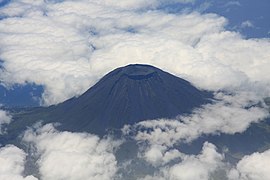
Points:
(124, 96)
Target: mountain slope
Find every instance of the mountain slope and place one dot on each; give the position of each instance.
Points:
(124, 96)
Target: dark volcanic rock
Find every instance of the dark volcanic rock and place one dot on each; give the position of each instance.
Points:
(124, 96)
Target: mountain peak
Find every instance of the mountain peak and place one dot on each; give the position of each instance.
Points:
(126, 95)
(135, 71)
(139, 70)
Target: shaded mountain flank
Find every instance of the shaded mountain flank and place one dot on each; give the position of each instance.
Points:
(124, 96)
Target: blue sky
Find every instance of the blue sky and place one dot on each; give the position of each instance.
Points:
(237, 12)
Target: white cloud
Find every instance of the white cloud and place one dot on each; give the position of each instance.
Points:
(68, 45)
(158, 139)
(247, 24)
(232, 3)
(5, 118)
(252, 167)
(158, 155)
(191, 167)
(12, 160)
(40, 47)
(197, 167)
(204, 6)
(139, 4)
(74, 156)
(19, 8)
(230, 114)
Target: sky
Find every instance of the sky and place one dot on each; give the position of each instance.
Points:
(53, 50)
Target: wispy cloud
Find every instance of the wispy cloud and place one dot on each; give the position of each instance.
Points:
(232, 3)
(247, 24)
(5, 118)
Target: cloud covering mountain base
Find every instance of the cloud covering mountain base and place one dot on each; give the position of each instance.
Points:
(65, 155)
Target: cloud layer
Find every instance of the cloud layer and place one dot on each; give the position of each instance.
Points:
(160, 140)
(68, 45)
(229, 114)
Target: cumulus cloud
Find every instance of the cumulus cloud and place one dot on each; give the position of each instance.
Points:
(12, 160)
(76, 156)
(39, 48)
(68, 45)
(252, 167)
(229, 114)
(5, 118)
(160, 140)
(200, 166)
(197, 167)
(158, 155)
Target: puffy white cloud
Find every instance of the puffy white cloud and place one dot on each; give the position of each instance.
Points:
(68, 45)
(76, 156)
(158, 155)
(39, 47)
(12, 160)
(191, 167)
(159, 139)
(197, 167)
(252, 167)
(230, 114)
(5, 118)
